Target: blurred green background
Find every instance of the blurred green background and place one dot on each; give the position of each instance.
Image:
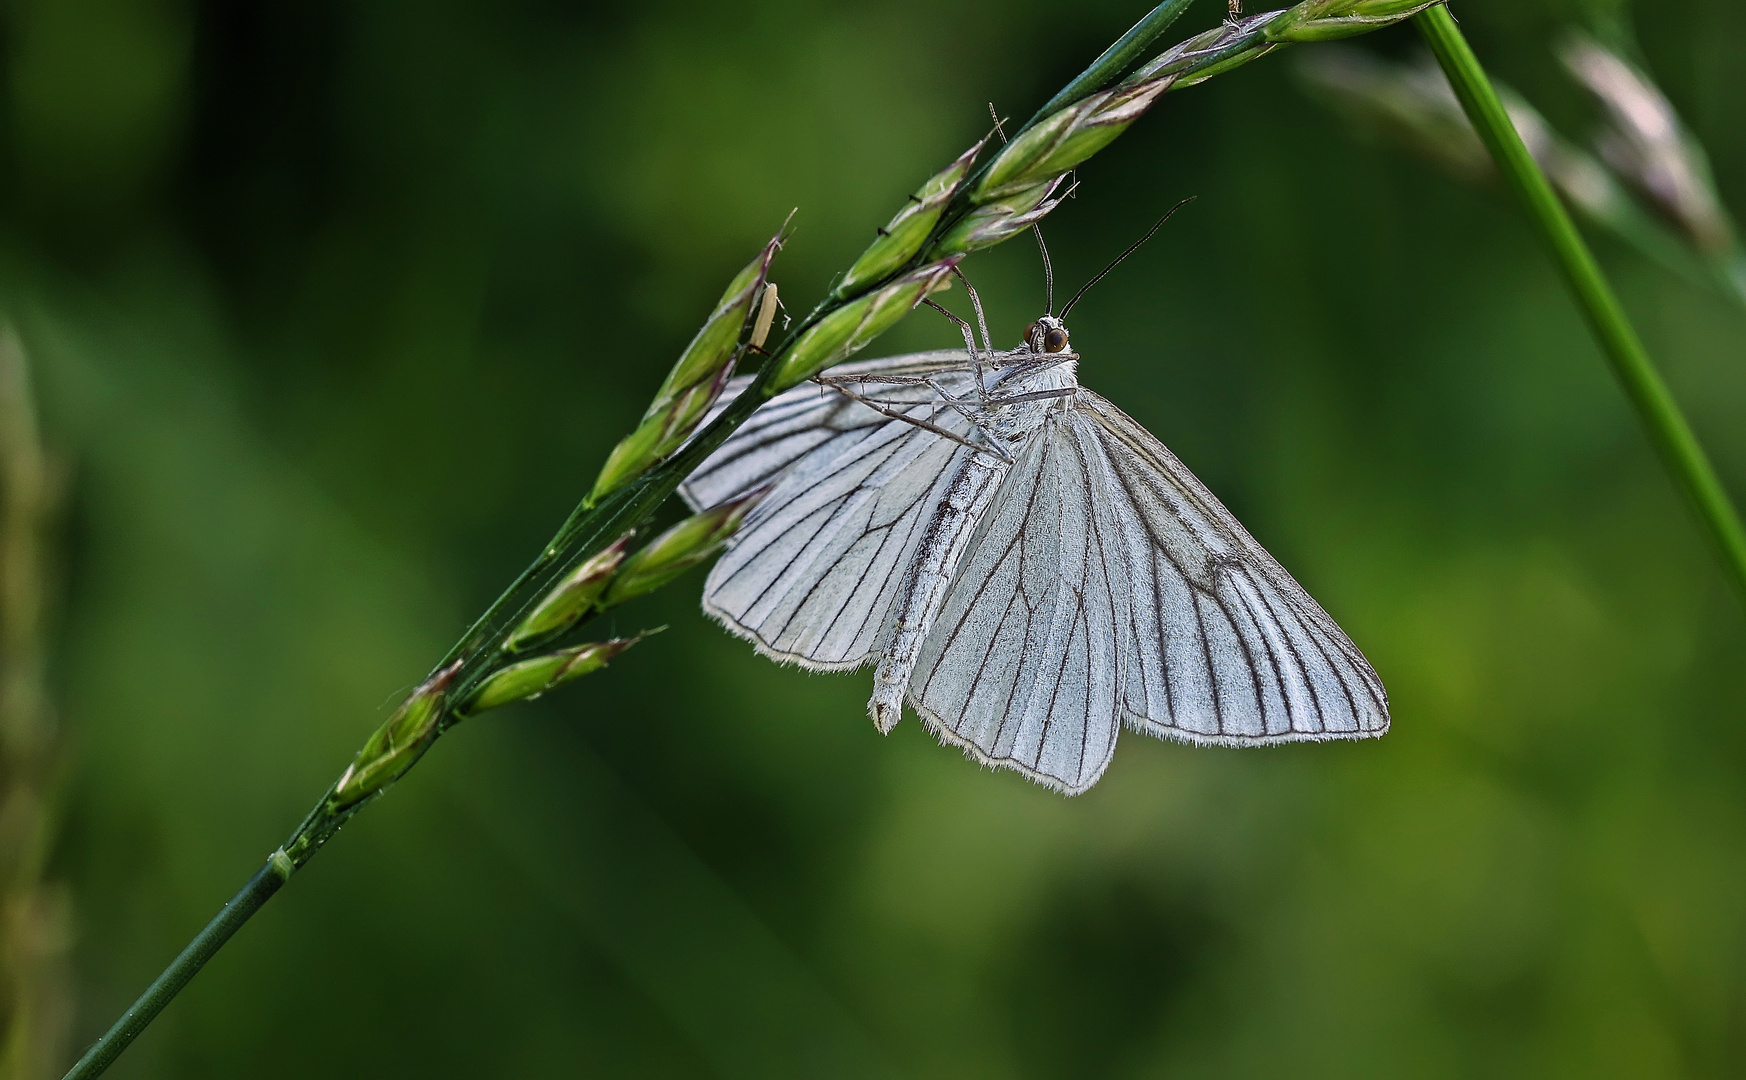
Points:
(336, 307)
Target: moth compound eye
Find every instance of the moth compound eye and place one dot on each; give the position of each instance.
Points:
(1032, 338)
(1055, 340)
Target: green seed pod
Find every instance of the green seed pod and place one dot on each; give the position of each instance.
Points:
(1013, 168)
(715, 342)
(529, 679)
(571, 599)
(696, 380)
(1067, 137)
(662, 431)
(850, 328)
(398, 743)
(1330, 20)
(1236, 59)
(679, 549)
(993, 222)
(629, 459)
(1060, 141)
(904, 235)
(1204, 55)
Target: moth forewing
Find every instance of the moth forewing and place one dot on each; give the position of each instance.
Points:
(1227, 647)
(1020, 668)
(812, 576)
(797, 423)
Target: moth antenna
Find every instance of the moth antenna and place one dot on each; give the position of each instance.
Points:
(1133, 247)
(1048, 272)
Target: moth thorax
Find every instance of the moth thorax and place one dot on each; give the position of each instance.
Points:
(1019, 419)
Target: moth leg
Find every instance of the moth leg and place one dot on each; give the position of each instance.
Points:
(885, 410)
(976, 303)
(981, 317)
(972, 412)
(1026, 365)
(1037, 395)
(969, 343)
(869, 380)
(978, 415)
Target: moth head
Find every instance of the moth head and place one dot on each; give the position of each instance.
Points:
(1047, 335)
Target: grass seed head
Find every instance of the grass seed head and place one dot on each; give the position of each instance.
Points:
(1649, 147)
(694, 383)
(993, 222)
(398, 743)
(904, 235)
(679, 549)
(1069, 136)
(854, 325)
(571, 599)
(1331, 20)
(715, 341)
(663, 430)
(528, 679)
(1060, 141)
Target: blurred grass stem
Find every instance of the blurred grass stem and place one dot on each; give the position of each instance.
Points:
(35, 912)
(1680, 450)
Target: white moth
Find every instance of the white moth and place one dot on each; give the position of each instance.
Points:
(1028, 567)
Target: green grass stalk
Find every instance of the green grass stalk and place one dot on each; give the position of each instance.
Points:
(187, 964)
(1672, 436)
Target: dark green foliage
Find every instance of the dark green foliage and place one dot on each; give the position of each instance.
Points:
(339, 308)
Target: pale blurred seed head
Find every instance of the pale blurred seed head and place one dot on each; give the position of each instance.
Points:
(1645, 143)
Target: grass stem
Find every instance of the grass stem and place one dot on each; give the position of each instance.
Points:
(187, 964)
(1672, 436)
